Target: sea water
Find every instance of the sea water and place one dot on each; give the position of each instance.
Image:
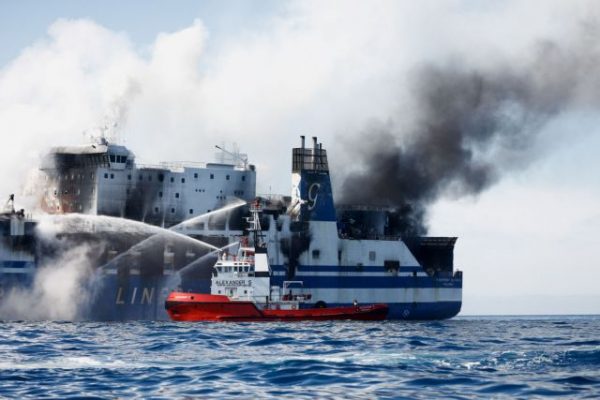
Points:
(465, 357)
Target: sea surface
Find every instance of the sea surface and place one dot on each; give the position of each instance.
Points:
(466, 357)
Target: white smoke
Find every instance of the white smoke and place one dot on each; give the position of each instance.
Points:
(61, 290)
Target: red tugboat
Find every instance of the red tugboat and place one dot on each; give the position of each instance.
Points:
(241, 291)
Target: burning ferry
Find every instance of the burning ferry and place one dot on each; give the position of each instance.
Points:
(342, 256)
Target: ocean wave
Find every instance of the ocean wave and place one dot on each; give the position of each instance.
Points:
(471, 358)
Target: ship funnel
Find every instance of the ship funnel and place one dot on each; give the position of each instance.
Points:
(312, 197)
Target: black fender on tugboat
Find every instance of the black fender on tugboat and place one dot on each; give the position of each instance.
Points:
(320, 304)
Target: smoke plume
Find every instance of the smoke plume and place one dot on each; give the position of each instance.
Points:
(473, 123)
(62, 289)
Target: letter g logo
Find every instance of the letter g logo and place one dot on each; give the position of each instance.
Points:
(313, 194)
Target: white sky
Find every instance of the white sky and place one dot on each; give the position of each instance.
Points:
(182, 77)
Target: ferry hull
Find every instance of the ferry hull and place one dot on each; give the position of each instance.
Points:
(143, 298)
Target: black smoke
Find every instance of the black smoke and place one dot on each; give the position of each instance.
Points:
(472, 125)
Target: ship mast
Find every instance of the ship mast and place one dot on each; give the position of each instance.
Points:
(254, 223)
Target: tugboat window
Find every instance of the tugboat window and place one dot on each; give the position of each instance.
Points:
(212, 176)
(316, 254)
(182, 180)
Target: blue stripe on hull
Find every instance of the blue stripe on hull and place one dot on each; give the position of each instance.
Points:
(344, 268)
(17, 264)
(377, 282)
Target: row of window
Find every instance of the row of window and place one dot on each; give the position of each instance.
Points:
(245, 268)
(317, 253)
(157, 210)
(161, 177)
(117, 158)
(73, 176)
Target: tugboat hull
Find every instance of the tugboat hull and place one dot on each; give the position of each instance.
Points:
(201, 307)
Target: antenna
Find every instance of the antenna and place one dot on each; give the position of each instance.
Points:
(236, 155)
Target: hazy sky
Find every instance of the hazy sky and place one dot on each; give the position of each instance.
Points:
(179, 77)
